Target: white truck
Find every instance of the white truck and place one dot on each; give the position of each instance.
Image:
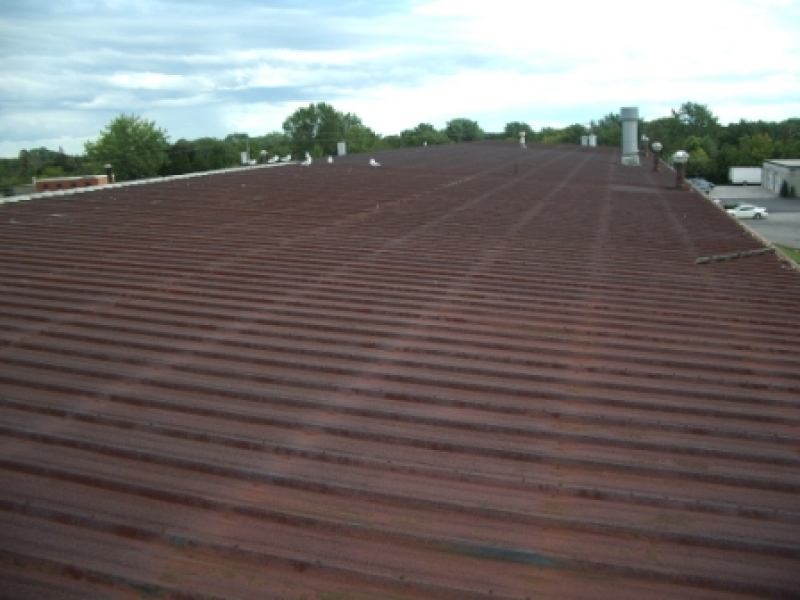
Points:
(745, 175)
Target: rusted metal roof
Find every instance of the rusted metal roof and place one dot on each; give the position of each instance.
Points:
(477, 371)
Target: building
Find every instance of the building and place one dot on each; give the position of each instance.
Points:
(25, 189)
(56, 184)
(777, 171)
(476, 372)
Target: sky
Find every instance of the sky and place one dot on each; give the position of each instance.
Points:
(208, 68)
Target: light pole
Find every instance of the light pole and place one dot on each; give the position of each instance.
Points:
(263, 157)
(680, 158)
(657, 147)
(645, 145)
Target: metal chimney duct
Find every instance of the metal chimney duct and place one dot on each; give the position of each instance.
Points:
(630, 136)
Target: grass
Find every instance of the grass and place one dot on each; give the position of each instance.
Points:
(793, 253)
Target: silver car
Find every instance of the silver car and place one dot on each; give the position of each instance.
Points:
(748, 211)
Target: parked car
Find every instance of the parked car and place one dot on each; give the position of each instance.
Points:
(748, 211)
(701, 184)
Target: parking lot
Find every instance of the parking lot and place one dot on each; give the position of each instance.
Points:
(783, 224)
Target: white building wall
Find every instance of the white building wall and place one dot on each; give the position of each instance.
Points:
(775, 174)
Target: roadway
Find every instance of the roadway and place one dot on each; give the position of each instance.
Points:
(783, 224)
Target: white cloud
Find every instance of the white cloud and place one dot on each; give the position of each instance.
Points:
(200, 69)
(265, 75)
(159, 81)
(302, 57)
(258, 118)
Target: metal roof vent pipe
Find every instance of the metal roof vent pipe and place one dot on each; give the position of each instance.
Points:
(630, 136)
(680, 158)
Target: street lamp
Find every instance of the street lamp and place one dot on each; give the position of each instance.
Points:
(263, 157)
(657, 147)
(109, 173)
(680, 159)
(645, 145)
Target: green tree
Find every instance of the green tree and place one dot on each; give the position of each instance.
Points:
(393, 141)
(24, 163)
(755, 149)
(211, 154)
(239, 141)
(180, 155)
(513, 129)
(276, 143)
(360, 138)
(568, 135)
(667, 131)
(317, 127)
(39, 158)
(608, 130)
(134, 146)
(422, 134)
(702, 152)
(700, 164)
(736, 131)
(697, 120)
(463, 130)
(787, 148)
(728, 156)
(572, 134)
(549, 135)
(52, 171)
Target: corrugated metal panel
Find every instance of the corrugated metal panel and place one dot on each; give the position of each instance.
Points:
(474, 372)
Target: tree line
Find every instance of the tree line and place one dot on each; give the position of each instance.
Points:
(714, 148)
(137, 148)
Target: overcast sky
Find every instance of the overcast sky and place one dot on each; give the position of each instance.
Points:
(210, 68)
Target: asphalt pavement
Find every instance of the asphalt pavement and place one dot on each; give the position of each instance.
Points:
(782, 226)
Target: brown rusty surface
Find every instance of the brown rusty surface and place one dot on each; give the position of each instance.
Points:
(474, 372)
